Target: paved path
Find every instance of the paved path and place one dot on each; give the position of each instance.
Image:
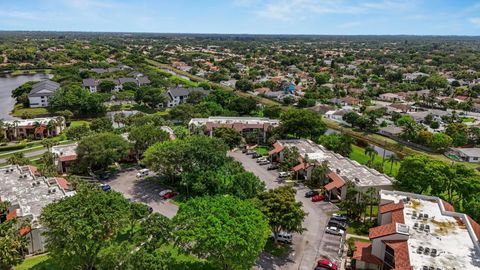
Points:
(142, 190)
(307, 247)
(27, 155)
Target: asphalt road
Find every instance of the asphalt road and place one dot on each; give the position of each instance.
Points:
(308, 247)
(27, 155)
(142, 190)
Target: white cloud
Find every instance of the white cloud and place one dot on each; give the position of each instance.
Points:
(293, 9)
(21, 15)
(475, 21)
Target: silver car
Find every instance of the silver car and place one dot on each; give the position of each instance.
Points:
(334, 230)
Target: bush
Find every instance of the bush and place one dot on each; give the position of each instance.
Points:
(13, 147)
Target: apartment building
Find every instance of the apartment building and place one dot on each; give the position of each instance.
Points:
(259, 126)
(419, 232)
(28, 193)
(35, 128)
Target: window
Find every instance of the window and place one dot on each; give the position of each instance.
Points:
(475, 158)
(389, 259)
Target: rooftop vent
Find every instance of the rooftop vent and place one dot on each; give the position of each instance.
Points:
(402, 228)
(338, 171)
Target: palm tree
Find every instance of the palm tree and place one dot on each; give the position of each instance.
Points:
(60, 122)
(392, 159)
(119, 118)
(17, 159)
(372, 195)
(370, 152)
(52, 124)
(3, 127)
(15, 125)
(48, 143)
(36, 125)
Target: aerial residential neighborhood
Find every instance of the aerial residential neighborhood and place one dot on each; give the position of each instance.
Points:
(239, 135)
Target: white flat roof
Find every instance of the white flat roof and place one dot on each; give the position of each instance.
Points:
(30, 122)
(65, 150)
(231, 120)
(450, 233)
(349, 169)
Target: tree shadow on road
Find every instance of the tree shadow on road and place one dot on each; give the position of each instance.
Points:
(268, 261)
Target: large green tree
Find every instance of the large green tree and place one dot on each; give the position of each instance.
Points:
(302, 124)
(13, 246)
(98, 151)
(226, 231)
(79, 227)
(283, 212)
(145, 136)
(229, 135)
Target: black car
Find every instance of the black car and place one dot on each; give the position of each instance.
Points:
(338, 224)
(244, 150)
(311, 193)
(256, 155)
(272, 167)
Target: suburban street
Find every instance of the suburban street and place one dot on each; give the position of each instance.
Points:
(142, 190)
(312, 244)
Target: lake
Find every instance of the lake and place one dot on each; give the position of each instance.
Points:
(7, 84)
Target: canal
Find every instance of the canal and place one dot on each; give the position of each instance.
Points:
(7, 84)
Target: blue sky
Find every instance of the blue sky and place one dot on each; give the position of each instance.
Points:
(342, 17)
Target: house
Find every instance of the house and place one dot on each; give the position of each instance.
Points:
(36, 128)
(400, 107)
(180, 95)
(245, 125)
(419, 232)
(41, 92)
(464, 154)
(262, 90)
(345, 101)
(92, 84)
(391, 131)
(413, 76)
(337, 115)
(391, 97)
(342, 169)
(230, 83)
(64, 156)
(28, 192)
(321, 108)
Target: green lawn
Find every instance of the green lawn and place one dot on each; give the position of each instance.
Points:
(40, 262)
(77, 123)
(358, 154)
(18, 111)
(468, 120)
(262, 150)
(277, 250)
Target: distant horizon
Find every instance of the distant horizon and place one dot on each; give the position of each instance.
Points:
(256, 17)
(235, 34)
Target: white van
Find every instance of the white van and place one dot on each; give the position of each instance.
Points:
(143, 172)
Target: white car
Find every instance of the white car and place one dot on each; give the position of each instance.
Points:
(283, 174)
(163, 192)
(334, 230)
(143, 172)
(283, 237)
(260, 159)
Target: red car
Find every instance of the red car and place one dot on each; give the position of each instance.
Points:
(327, 264)
(169, 195)
(318, 198)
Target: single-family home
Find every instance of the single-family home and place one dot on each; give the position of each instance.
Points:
(180, 95)
(464, 154)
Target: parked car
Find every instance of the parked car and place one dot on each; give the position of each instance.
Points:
(283, 174)
(311, 193)
(264, 162)
(334, 230)
(283, 237)
(105, 187)
(337, 223)
(326, 264)
(321, 268)
(272, 167)
(169, 195)
(165, 191)
(104, 176)
(339, 217)
(261, 159)
(318, 198)
(250, 152)
(244, 150)
(256, 155)
(143, 172)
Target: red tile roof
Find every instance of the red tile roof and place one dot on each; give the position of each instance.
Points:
(447, 206)
(299, 167)
(381, 231)
(337, 181)
(390, 207)
(277, 148)
(475, 226)
(63, 183)
(400, 247)
(12, 214)
(34, 170)
(397, 216)
(363, 252)
(68, 158)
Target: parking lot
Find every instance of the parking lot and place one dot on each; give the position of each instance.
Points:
(311, 245)
(142, 190)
